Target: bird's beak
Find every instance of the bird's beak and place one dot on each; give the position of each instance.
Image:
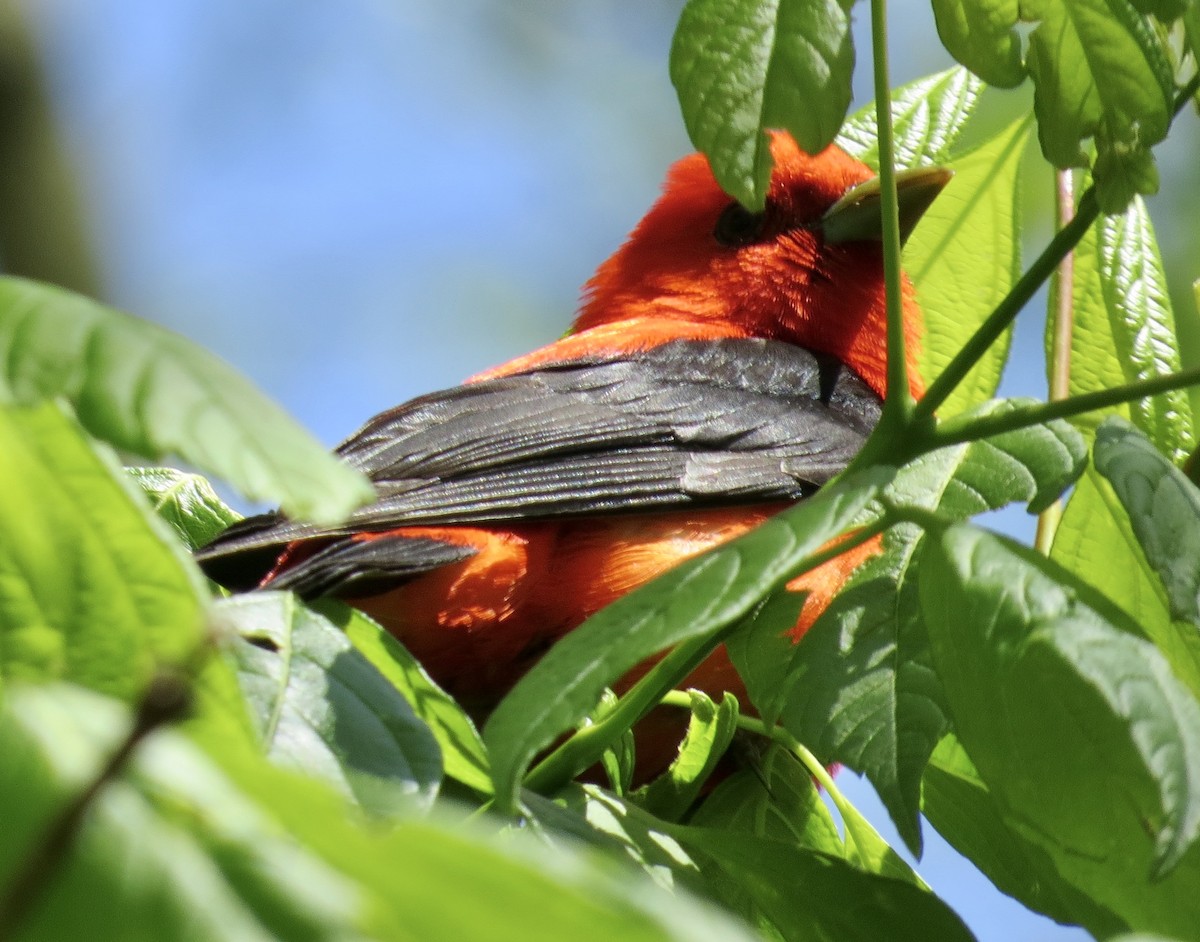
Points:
(858, 216)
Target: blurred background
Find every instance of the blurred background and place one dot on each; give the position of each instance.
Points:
(357, 202)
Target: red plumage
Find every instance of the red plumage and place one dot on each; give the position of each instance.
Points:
(723, 365)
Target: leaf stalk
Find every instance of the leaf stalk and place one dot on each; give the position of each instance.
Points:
(954, 431)
(899, 403)
(1062, 312)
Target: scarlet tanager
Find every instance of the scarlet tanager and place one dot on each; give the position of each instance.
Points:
(724, 363)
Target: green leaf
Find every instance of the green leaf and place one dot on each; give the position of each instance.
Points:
(225, 847)
(92, 588)
(150, 392)
(775, 797)
(709, 733)
(958, 804)
(593, 815)
(1163, 508)
(699, 599)
(463, 752)
(1164, 10)
(187, 502)
(171, 849)
(1098, 71)
(1123, 329)
(1033, 464)
(521, 892)
(1096, 542)
(320, 707)
(928, 115)
(980, 35)
(1191, 21)
(1122, 170)
(1144, 937)
(805, 895)
(619, 756)
(1087, 742)
(866, 848)
(859, 689)
(782, 806)
(743, 66)
(1142, 325)
(963, 258)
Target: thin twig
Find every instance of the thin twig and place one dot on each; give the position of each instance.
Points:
(167, 698)
(955, 431)
(1062, 308)
(898, 402)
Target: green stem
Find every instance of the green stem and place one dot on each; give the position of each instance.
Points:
(956, 430)
(849, 814)
(1062, 312)
(898, 401)
(588, 744)
(779, 735)
(167, 698)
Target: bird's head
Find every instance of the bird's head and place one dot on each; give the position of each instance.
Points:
(808, 269)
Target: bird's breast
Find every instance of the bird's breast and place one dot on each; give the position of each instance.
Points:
(479, 624)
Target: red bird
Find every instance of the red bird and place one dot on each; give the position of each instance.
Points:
(724, 364)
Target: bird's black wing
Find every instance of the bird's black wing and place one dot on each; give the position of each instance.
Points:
(686, 423)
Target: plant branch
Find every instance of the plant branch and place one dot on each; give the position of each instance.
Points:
(167, 698)
(969, 429)
(898, 401)
(1062, 312)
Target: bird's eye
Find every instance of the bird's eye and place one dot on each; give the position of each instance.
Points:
(738, 226)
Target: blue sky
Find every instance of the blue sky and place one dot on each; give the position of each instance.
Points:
(357, 202)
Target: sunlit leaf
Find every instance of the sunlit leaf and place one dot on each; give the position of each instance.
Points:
(463, 753)
(197, 857)
(963, 258)
(92, 588)
(1163, 507)
(149, 391)
(1142, 325)
(1099, 72)
(804, 894)
(980, 35)
(743, 66)
(774, 797)
(187, 502)
(1123, 329)
(859, 688)
(596, 816)
(710, 730)
(321, 708)
(958, 804)
(1087, 742)
(928, 116)
(230, 847)
(1191, 20)
(1095, 541)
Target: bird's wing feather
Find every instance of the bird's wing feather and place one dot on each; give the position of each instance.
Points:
(686, 423)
